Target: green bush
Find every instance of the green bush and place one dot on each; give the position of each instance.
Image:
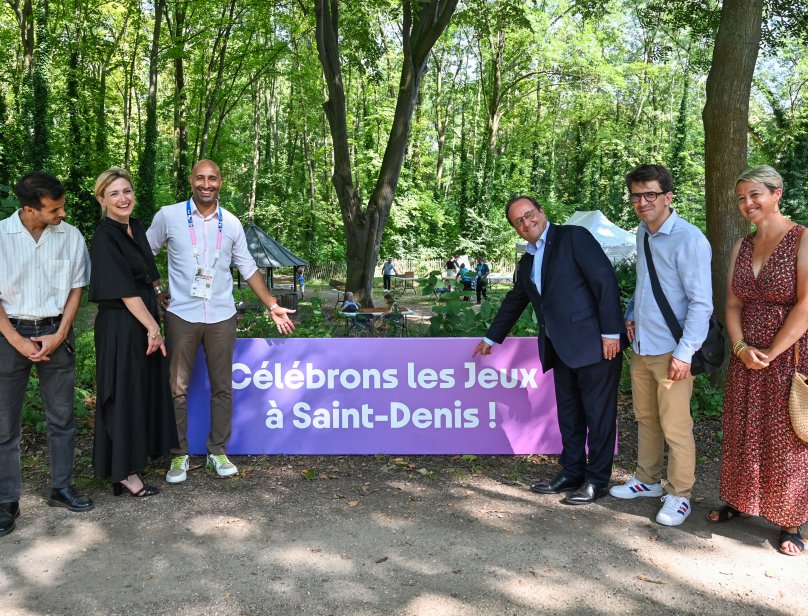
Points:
(310, 321)
(626, 273)
(455, 318)
(707, 400)
(33, 413)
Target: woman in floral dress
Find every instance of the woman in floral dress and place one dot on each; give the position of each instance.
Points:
(764, 467)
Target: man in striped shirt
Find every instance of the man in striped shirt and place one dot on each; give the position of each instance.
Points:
(45, 265)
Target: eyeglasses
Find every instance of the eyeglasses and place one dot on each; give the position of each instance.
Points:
(650, 197)
(526, 218)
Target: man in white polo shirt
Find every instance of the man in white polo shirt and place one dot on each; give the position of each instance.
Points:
(45, 265)
(203, 239)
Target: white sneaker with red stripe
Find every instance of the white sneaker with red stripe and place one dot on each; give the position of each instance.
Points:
(634, 488)
(674, 511)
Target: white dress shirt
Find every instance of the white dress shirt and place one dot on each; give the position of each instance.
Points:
(39, 275)
(170, 226)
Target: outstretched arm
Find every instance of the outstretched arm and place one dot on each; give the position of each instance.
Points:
(279, 314)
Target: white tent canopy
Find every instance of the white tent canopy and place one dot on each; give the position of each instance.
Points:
(617, 243)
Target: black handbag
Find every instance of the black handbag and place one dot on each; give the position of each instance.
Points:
(710, 357)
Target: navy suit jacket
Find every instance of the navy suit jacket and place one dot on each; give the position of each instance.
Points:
(580, 299)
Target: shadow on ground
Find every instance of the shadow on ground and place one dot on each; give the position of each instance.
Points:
(383, 535)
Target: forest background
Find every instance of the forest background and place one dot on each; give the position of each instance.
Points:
(555, 98)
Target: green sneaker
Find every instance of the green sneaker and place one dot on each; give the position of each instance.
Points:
(222, 466)
(178, 471)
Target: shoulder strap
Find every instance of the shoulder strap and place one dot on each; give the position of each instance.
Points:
(659, 296)
(797, 343)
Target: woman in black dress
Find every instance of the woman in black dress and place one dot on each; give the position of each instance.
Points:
(134, 417)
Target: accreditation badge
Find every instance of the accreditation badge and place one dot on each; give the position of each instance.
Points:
(202, 285)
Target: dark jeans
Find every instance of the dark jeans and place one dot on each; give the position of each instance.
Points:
(57, 379)
(386, 280)
(482, 289)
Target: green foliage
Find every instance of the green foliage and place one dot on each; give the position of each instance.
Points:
(33, 414)
(453, 317)
(707, 400)
(556, 99)
(626, 273)
(8, 202)
(310, 321)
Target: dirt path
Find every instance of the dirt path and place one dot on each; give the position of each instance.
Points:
(385, 535)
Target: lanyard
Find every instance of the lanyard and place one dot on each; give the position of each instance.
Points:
(193, 233)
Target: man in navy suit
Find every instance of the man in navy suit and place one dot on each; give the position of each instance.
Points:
(570, 282)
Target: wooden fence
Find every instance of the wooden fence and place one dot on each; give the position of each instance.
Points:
(422, 267)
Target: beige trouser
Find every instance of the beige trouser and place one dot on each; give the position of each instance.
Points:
(662, 409)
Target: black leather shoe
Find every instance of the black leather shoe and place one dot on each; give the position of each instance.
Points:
(587, 493)
(8, 513)
(555, 486)
(68, 497)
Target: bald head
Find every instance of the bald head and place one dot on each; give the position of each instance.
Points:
(206, 161)
(206, 181)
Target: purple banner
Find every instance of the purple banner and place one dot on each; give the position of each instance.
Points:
(382, 395)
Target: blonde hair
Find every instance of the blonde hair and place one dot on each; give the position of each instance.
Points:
(108, 177)
(763, 174)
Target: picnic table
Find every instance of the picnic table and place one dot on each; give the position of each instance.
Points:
(408, 277)
(372, 315)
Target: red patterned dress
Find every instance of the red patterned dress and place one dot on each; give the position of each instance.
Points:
(764, 467)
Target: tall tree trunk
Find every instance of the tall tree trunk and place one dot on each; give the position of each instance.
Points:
(25, 17)
(181, 167)
(148, 161)
(256, 161)
(128, 97)
(40, 142)
(100, 145)
(726, 117)
(364, 227)
(218, 59)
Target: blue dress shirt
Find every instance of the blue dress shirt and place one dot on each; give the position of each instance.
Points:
(682, 258)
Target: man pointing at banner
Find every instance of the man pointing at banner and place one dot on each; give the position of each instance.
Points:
(203, 240)
(569, 281)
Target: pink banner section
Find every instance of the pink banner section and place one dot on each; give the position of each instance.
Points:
(382, 395)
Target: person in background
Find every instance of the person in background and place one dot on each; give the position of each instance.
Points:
(483, 271)
(392, 317)
(45, 265)
(764, 465)
(466, 278)
(388, 271)
(134, 416)
(451, 267)
(301, 280)
(203, 239)
(350, 305)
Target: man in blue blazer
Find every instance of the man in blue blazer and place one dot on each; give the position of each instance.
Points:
(570, 282)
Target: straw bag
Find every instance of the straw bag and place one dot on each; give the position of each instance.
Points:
(798, 399)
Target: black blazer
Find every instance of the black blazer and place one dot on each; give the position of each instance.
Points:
(580, 299)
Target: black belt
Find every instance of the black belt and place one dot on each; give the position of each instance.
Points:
(46, 322)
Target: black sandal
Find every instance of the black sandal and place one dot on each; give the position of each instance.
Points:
(794, 538)
(147, 490)
(725, 514)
